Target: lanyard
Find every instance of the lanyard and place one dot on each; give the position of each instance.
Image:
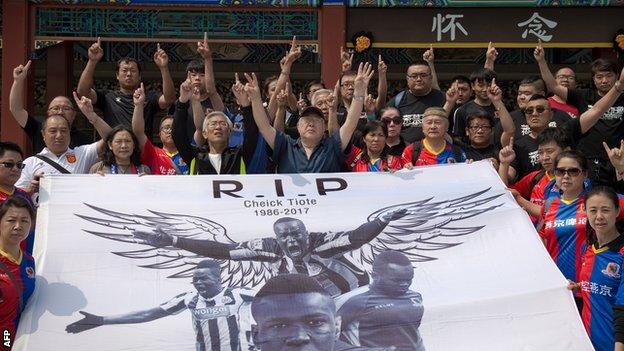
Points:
(133, 169)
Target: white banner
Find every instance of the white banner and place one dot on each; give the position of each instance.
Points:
(486, 281)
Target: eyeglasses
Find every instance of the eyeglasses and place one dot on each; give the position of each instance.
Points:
(396, 120)
(476, 128)
(10, 165)
(347, 85)
(418, 75)
(530, 110)
(572, 172)
(166, 129)
(213, 124)
(59, 108)
(565, 77)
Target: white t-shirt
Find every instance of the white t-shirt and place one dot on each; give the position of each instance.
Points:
(76, 161)
(215, 160)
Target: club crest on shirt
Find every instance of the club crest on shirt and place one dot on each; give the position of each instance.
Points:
(30, 272)
(71, 158)
(612, 270)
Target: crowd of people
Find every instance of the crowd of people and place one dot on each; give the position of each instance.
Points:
(560, 152)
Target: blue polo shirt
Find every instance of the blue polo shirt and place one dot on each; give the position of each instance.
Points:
(290, 155)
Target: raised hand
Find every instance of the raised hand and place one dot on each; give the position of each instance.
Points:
(382, 68)
(538, 53)
(238, 89)
(21, 72)
(158, 238)
(364, 75)
(252, 88)
(491, 54)
(494, 93)
(186, 90)
(616, 155)
(346, 59)
(139, 96)
(507, 154)
(203, 49)
(292, 55)
(282, 96)
(89, 321)
(196, 94)
(369, 104)
(84, 104)
(95, 52)
(452, 94)
(428, 55)
(161, 59)
(301, 103)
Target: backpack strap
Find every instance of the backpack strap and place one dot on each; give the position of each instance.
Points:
(356, 159)
(457, 152)
(536, 178)
(398, 98)
(416, 149)
(11, 276)
(53, 164)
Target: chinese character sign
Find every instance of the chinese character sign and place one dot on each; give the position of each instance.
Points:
(535, 27)
(452, 24)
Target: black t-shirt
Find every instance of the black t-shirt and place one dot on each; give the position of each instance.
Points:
(478, 154)
(527, 159)
(190, 122)
(560, 118)
(397, 150)
(462, 113)
(118, 107)
(412, 108)
(609, 128)
(33, 130)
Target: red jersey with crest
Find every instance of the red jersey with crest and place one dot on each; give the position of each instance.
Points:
(17, 279)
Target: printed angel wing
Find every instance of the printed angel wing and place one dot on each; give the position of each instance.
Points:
(428, 226)
(120, 226)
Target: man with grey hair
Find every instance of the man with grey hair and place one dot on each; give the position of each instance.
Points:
(215, 157)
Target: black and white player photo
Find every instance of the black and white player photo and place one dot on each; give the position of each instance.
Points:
(292, 250)
(386, 313)
(220, 315)
(293, 312)
(332, 263)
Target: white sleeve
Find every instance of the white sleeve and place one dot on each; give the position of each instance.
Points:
(27, 174)
(90, 154)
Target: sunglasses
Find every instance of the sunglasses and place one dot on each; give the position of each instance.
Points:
(395, 120)
(530, 110)
(572, 172)
(10, 165)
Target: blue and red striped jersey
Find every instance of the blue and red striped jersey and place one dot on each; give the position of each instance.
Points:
(23, 273)
(563, 231)
(562, 226)
(429, 157)
(600, 278)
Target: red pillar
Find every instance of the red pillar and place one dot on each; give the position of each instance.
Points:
(16, 45)
(333, 28)
(59, 70)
